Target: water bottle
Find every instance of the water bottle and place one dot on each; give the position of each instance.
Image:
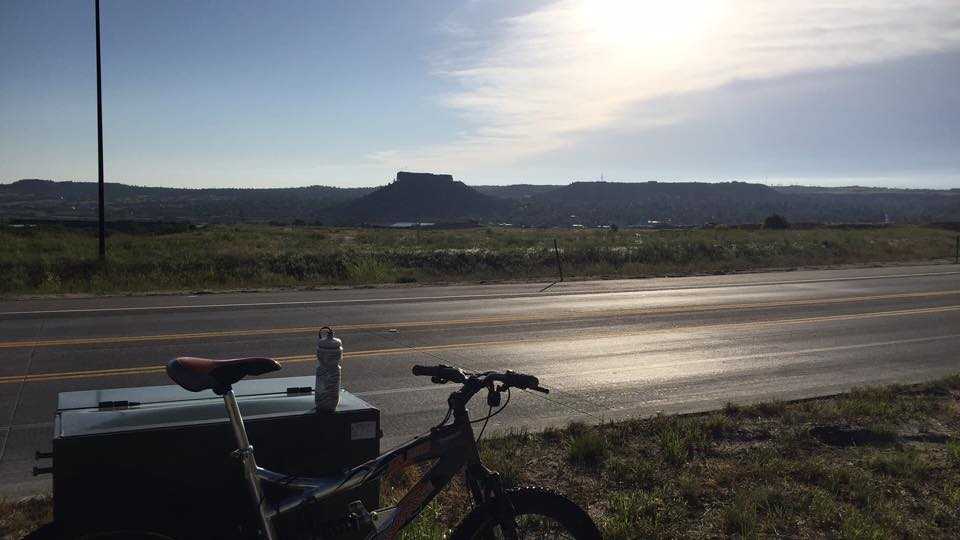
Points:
(329, 353)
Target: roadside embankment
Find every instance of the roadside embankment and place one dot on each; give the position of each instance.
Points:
(50, 260)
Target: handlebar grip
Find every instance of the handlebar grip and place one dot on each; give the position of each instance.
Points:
(520, 380)
(446, 373)
(422, 371)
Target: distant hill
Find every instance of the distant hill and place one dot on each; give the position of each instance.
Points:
(869, 204)
(45, 199)
(637, 203)
(517, 191)
(423, 197)
(439, 198)
(695, 203)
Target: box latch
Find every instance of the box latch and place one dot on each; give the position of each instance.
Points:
(119, 404)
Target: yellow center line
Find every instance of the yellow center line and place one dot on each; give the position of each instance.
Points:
(57, 376)
(615, 312)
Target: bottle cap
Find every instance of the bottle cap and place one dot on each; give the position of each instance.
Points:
(328, 341)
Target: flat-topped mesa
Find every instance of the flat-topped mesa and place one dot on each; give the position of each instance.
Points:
(419, 197)
(423, 179)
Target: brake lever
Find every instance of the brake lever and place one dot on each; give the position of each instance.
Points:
(438, 380)
(540, 389)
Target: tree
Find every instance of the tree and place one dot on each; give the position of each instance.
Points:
(776, 221)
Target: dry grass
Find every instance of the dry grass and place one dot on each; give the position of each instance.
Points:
(50, 260)
(875, 463)
(18, 518)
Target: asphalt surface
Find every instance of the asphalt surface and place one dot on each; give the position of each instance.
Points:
(607, 349)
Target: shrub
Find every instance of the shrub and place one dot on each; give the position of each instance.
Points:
(587, 448)
(775, 221)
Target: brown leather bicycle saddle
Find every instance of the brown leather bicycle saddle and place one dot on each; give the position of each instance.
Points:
(198, 374)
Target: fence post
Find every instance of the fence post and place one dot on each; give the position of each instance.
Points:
(556, 250)
(956, 259)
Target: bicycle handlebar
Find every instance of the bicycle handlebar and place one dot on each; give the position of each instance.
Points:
(443, 373)
(446, 373)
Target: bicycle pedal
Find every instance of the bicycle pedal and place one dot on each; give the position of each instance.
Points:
(357, 508)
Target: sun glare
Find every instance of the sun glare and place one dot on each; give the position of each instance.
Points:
(650, 27)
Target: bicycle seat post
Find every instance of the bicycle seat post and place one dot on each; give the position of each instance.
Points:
(245, 452)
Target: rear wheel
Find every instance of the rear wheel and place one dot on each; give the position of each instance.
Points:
(538, 513)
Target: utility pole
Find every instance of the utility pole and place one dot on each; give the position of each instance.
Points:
(103, 226)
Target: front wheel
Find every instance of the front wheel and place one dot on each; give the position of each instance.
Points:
(538, 513)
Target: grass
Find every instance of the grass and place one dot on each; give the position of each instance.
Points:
(873, 463)
(588, 448)
(18, 518)
(53, 260)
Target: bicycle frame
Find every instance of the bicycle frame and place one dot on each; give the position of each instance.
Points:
(452, 445)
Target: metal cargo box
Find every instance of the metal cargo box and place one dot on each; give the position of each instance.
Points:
(160, 456)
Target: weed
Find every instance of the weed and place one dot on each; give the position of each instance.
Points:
(366, 269)
(823, 507)
(770, 408)
(953, 453)
(690, 489)
(763, 463)
(576, 428)
(427, 526)
(17, 518)
(739, 517)
(866, 404)
(856, 526)
(906, 463)
(673, 447)
(632, 471)
(731, 409)
(552, 434)
(507, 464)
(678, 438)
(588, 448)
(718, 425)
(642, 514)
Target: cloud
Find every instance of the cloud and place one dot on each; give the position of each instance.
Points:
(579, 66)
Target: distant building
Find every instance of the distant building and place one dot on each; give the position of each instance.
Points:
(410, 224)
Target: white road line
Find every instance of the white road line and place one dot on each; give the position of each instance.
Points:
(401, 299)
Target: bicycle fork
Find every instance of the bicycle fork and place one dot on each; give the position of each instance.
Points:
(487, 488)
(245, 453)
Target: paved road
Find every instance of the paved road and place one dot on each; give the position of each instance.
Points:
(608, 349)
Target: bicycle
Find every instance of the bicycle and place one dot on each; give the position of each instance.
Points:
(526, 512)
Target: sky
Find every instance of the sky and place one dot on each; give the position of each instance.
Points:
(345, 93)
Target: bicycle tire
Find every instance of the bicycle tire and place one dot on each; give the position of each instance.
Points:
(481, 522)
